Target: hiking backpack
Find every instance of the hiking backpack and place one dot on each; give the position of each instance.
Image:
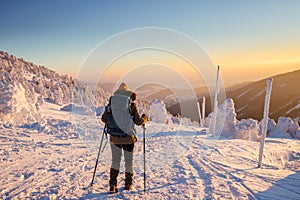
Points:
(119, 116)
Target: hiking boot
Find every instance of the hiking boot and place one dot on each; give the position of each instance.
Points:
(128, 180)
(113, 180)
(113, 188)
(128, 187)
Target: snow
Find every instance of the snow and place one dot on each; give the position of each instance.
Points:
(242, 108)
(183, 162)
(158, 112)
(24, 87)
(245, 92)
(294, 108)
(285, 128)
(249, 129)
(17, 105)
(78, 109)
(258, 94)
(229, 127)
(99, 111)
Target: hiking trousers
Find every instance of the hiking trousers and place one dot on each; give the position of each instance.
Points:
(116, 150)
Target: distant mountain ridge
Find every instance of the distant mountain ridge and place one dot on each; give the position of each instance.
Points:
(249, 98)
(285, 97)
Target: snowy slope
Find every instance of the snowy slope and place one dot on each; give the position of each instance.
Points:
(24, 87)
(183, 162)
(284, 99)
(249, 98)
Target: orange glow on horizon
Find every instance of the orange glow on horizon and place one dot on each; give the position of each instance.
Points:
(147, 58)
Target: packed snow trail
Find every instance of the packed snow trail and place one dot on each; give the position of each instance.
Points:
(53, 164)
(207, 171)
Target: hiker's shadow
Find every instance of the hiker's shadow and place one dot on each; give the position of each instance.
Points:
(103, 195)
(287, 188)
(122, 195)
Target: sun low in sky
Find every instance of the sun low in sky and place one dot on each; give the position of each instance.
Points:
(250, 40)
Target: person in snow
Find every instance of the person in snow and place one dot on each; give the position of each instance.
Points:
(120, 115)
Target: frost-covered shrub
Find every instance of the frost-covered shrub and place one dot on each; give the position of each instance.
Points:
(24, 86)
(271, 125)
(15, 107)
(247, 129)
(228, 110)
(188, 122)
(229, 126)
(226, 119)
(158, 112)
(286, 128)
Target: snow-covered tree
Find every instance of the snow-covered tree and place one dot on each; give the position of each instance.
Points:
(158, 112)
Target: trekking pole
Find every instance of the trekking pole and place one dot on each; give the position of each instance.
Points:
(104, 145)
(144, 149)
(101, 142)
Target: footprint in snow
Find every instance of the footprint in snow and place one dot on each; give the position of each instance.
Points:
(55, 170)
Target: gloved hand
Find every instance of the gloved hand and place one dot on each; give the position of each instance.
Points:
(144, 117)
(134, 138)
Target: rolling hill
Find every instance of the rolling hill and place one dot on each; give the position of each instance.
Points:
(285, 97)
(249, 98)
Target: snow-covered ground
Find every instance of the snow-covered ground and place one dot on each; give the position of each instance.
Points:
(55, 160)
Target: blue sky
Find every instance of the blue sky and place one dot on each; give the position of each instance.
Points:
(237, 34)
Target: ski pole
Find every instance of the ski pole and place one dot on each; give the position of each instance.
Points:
(144, 149)
(101, 142)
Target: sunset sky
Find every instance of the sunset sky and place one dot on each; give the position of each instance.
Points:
(250, 40)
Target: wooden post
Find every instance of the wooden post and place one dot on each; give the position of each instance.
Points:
(203, 112)
(265, 121)
(216, 104)
(199, 112)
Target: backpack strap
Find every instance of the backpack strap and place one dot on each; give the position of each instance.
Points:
(131, 108)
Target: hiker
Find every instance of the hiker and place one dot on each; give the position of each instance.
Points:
(120, 116)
